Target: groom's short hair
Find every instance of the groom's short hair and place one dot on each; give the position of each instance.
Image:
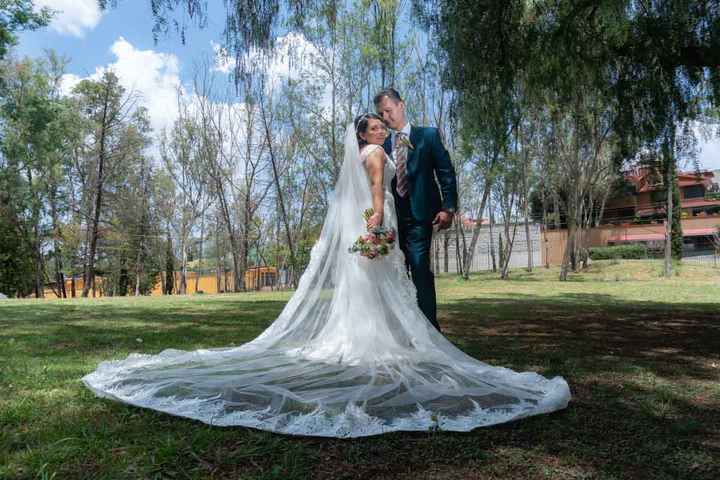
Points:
(391, 93)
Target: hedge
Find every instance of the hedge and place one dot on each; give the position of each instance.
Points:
(633, 251)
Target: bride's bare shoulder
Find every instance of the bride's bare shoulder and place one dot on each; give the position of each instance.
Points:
(372, 150)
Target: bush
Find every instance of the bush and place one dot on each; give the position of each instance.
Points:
(635, 252)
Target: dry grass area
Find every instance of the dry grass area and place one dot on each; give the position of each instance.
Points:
(641, 354)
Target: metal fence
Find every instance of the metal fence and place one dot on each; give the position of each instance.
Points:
(482, 260)
(705, 257)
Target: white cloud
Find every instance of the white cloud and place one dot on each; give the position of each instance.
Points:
(708, 145)
(153, 76)
(294, 58)
(709, 154)
(293, 55)
(72, 17)
(68, 82)
(223, 61)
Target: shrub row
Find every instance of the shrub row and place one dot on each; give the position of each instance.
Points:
(635, 251)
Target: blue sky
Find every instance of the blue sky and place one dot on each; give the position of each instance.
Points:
(121, 38)
(86, 35)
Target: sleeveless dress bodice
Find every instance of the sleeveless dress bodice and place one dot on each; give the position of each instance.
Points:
(390, 217)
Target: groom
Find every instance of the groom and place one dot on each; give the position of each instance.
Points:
(422, 163)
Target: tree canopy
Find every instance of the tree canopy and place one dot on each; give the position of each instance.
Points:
(18, 15)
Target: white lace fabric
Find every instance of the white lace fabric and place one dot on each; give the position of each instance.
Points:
(350, 355)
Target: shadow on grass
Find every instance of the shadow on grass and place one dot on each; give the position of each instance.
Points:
(643, 376)
(605, 433)
(597, 332)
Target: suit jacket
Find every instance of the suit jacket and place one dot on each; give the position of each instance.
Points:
(432, 185)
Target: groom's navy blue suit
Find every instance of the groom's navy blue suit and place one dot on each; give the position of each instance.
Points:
(432, 187)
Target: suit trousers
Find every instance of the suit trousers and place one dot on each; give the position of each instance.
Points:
(415, 239)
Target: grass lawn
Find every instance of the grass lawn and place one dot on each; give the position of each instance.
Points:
(641, 355)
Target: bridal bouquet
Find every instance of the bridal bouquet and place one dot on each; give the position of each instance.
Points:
(378, 241)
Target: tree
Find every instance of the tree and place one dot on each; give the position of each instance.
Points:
(506, 190)
(15, 260)
(39, 131)
(181, 152)
(106, 109)
(19, 15)
(655, 63)
(130, 237)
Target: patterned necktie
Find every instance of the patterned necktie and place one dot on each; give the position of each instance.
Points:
(401, 153)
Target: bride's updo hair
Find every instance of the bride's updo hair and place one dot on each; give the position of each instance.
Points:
(361, 125)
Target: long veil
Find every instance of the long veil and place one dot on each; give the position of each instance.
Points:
(324, 288)
(350, 355)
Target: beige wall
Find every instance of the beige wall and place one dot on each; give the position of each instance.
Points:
(553, 241)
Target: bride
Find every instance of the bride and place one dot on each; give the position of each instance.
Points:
(350, 355)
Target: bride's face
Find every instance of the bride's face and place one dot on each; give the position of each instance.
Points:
(376, 132)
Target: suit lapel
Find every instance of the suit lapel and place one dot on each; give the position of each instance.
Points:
(388, 146)
(413, 154)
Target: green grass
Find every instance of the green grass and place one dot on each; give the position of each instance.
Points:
(641, 354)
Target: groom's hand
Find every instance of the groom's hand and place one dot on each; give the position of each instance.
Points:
(443, 220)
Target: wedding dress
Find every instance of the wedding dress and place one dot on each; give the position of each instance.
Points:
(350, 355)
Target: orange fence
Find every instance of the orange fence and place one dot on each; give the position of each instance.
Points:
(256, 278)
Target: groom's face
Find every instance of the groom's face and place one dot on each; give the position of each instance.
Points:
(392, 112)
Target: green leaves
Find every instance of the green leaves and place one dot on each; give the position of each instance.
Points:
(19, 15)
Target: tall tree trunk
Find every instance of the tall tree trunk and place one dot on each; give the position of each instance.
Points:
(123, 280)
(182, 290)
(140, 256)
(247, 225)
(218, 260)
(556, 209)
(501, 252)
(57, 252)
(601, 211)
(491, 225)
(458, 251)
(669, 181)
(570, 244)
(225, 273)
(528, 238)
(232, 236)
(38, 283)
(98, 191)
(470, 252)
(677, 230)
(169, 266)
(477, 228)
(509, 242)
(281, 201)
(543, 232)
(446, 253)
(198, 271)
